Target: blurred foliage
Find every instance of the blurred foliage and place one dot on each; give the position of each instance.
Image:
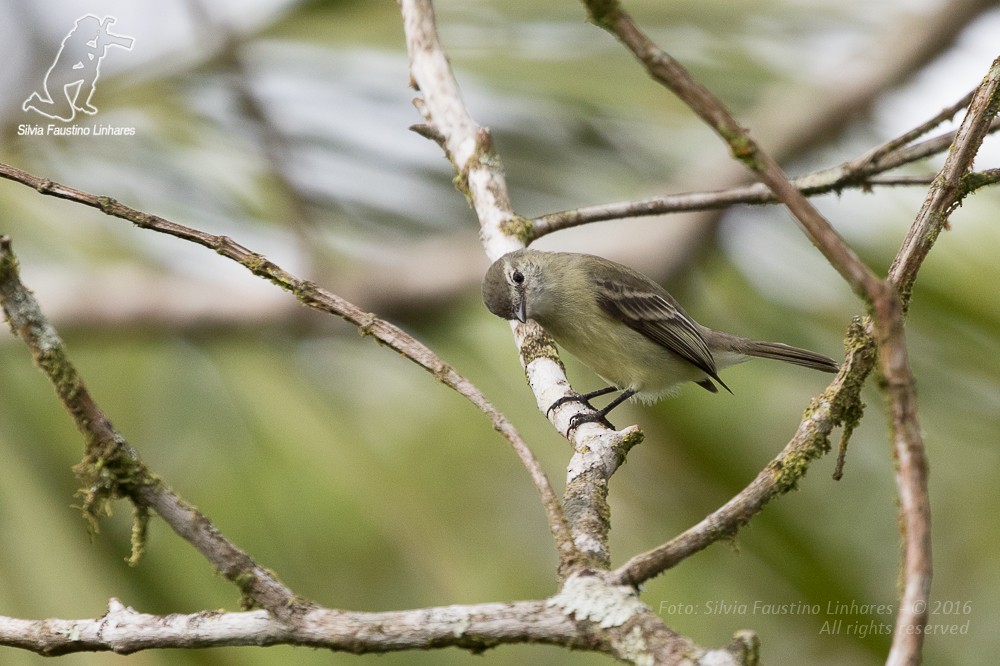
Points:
(363, 482)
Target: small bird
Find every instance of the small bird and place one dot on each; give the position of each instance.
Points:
(623, 325)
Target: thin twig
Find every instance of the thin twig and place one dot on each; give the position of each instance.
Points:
(885, 299)
(666, 70)
(862, 172)
(880, 153)
(577, 618)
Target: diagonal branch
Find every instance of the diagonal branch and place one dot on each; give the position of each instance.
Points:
(664, 69)
(598, 451)
(325, 301)
(111, 468)
(839, 405)
(950, 187)
(588, 613)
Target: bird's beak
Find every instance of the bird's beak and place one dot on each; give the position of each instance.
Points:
(522, 311)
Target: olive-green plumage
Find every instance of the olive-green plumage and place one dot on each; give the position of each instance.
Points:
(623, 325)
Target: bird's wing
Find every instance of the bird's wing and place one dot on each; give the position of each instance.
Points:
(660, 319)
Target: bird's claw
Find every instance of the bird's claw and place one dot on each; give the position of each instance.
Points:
(578, 420)
(568, 398)
(594, 416)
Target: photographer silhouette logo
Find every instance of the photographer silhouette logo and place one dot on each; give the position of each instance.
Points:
(71, 81)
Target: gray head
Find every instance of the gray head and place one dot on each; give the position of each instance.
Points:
(506, 283)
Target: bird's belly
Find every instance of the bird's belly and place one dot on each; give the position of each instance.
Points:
(635, 362)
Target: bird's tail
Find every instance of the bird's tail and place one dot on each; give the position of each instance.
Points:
(789, 354)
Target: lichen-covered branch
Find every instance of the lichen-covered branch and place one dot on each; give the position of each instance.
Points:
(844, 410)
(839, 405)
(476, 628)
(599, 451)
(600, 620)
(479, 174)
(111, 468)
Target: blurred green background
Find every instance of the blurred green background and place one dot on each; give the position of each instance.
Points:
(358, 478)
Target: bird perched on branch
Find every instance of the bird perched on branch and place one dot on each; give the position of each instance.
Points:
(623, 325)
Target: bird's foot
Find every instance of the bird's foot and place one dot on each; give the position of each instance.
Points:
(597, 416)
(583, 398)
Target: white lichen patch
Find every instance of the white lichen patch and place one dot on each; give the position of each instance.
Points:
(590, 598)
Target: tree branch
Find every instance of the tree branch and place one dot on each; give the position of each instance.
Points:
(471, 627)
(779, 477)
(479, 171)
(950, 187)
(886, 302)
(862, 173)
(325, 301)
(124, 631)
(598, 450)
(664, 69)
(111, 468)
(839, 405)
(945, 195)
(599, 612)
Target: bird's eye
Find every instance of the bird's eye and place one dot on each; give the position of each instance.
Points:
(517, 277)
